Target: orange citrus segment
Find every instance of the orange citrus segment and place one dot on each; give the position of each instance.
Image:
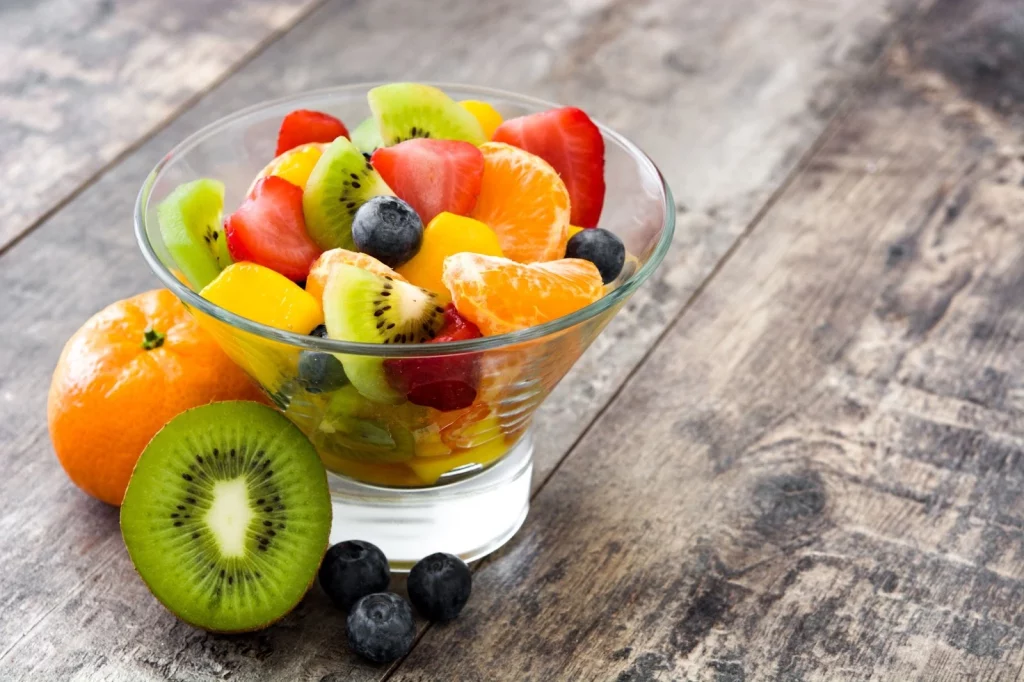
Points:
(499, 295)
(322, 267)
(525, 202)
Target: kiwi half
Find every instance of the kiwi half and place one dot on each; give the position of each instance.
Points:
(227, 516)
(407, 110)
(366, 136)
(364, 307)
(191, 227)
(340, 182)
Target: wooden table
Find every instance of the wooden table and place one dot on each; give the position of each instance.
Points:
(798, 454)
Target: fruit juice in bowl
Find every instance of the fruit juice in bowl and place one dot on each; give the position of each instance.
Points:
(408, 293)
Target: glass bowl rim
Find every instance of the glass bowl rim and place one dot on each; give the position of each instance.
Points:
(541, 331)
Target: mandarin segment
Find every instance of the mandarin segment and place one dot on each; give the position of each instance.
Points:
(525, 202)
(325, 264)
(499, 295)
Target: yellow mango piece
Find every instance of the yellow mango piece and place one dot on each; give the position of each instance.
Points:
(486, 115)
(429, 443)
(429, 469)
(445, 235)
(294, 165)
(573, 231)
(390, 475)
(264, 296)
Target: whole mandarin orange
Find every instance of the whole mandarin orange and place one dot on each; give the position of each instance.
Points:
(122, 376)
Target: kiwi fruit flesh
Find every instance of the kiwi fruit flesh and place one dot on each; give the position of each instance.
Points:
(353, 428)
(407, 110)
(191, 227)
(361, 306)
(366, 136)
(227, 516)
(340, 182)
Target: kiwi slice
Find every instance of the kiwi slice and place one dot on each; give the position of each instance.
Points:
(368, 308)
(366, 136)
(340, 182)
(191, 227)
(407, 110)
(352, 428)
(227, 516)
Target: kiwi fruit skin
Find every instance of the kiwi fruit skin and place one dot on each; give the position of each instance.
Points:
(407, 110)
(193, 231)
(169, 506)
(363, 307)
(366, 136)
(341, 181)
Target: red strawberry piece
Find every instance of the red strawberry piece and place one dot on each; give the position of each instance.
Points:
(269, 229)
(568, 140)
(446, 382)
(303, 126)
(432, 175)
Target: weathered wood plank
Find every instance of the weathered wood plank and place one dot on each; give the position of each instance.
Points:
(817, 475)
(736, 89)
(85, 79)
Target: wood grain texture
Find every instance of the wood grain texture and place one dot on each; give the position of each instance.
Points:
(725, 114)
(817, 474)
(84, 79)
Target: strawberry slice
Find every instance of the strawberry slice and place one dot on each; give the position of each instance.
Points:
(432, 175)
(446, 382)
(303, 126)
(269, 229)
(568, 140)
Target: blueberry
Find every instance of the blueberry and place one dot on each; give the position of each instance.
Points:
(320, 372)
(439, 586)
(600, 247)
(353, 569)
(388, 229)
(319, 331)
(380, 627)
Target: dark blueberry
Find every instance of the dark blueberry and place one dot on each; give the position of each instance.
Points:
(353, 569)
(320, 372)
(283, 396)
(380, 627)
(439, 586)
(600, 247)
(388, 229)
(320, 331)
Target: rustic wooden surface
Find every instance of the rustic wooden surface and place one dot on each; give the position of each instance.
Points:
(795, 454)
(85, 80)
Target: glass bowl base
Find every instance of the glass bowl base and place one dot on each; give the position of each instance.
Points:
(470, 518)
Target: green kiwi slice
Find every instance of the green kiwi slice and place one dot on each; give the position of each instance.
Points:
(191, 227)
(366, 136)
(341, 181)
(355, 429)
(407, 110)
(227, 516)
(368, 308)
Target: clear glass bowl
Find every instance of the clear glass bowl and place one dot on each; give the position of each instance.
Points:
(413, 479)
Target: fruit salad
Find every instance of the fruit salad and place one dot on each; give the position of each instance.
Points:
(433, 221)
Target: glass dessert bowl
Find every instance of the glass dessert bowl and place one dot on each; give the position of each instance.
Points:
(411, 478)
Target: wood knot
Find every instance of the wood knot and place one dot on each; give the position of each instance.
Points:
(788, 504)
